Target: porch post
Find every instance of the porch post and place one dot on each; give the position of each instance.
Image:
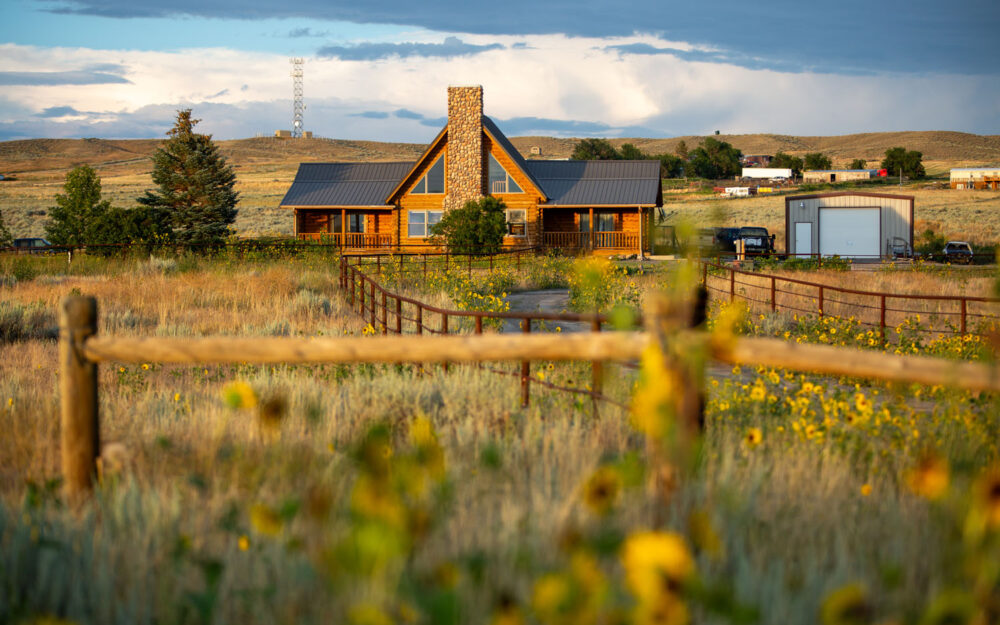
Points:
(295, 223)
(591, 224)
(641, 240)
(343, 227)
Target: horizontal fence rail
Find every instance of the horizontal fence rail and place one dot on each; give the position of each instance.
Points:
(945, 314)
(81, 349)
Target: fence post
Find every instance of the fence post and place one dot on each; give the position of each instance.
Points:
(704, 274)
(491, 263)
(80, 432)
(399, 316)
(732, 284)
(354, 278)
(420, 319)
(881, 322)
(597, 370)
(470, 264)
(964, 307)
(446, 260)
(774, 301)
(385, 314)
(526, 368)
(479, 324)
(372, 300)
(378, 265)
(821, 301)
(361, 292)
(444, 330)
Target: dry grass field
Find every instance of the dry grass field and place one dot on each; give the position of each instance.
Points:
(372, 495)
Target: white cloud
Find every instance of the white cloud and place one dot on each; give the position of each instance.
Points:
(548, 77)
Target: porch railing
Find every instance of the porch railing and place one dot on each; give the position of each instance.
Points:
(358, 240)
(602, 240)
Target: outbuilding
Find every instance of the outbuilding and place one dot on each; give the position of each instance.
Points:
(849, 224)
(975, 178)
(838, 175)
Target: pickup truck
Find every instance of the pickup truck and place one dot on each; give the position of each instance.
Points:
(757, 240)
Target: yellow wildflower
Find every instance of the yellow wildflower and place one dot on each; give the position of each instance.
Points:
(753, 437)
(601, 490)
(655, 563)
(929, 478)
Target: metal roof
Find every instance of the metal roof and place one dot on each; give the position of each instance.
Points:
(344, 184)
(598, 183)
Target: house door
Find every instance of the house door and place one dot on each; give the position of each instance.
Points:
(803, 237)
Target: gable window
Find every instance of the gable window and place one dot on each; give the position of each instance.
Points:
(433, 180)
(419, 223)
(517, 222)
(500, 180)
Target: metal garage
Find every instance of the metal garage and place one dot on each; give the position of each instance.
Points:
(849, 224)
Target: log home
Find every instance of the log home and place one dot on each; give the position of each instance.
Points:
(587, 206)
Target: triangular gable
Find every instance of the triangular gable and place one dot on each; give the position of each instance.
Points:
(416, 166)
(500, 139)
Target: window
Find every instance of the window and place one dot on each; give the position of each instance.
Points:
(584, 222)
(419, 223)
(605, 222)
(517, 222)
(356, 223)
(500, 181)
(433, 180)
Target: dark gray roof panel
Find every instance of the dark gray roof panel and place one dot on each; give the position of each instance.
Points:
(344, 184)
(598, 183)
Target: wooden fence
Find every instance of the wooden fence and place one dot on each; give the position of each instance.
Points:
(81, 349)
(945, 314)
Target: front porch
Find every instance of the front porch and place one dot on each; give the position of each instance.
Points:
(346, 228)
(597, 230)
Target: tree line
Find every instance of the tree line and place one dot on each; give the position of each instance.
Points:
(715, 159)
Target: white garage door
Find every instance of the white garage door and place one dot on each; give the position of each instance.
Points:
(849, 232)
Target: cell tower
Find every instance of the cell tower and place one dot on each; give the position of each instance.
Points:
(297, 105)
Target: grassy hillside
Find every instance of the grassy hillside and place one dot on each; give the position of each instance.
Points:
(266, 166)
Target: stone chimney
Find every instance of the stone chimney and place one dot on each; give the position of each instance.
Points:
(464, 171)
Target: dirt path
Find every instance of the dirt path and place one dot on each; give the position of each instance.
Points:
(546, 301)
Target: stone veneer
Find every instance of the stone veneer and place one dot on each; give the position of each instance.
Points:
(465, 174)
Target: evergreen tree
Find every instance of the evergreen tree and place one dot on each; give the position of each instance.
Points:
(195, 194)
(816, 160)
(5, 239)
(77, 212)
(476, 228)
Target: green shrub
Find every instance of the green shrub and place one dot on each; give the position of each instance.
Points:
(476, 228)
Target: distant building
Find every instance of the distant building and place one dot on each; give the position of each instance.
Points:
(536, 151)
(838, 175)
(849, 224)
(975, 178)
(755, 160)
(767, 173)
(283, 134)
(307, 134)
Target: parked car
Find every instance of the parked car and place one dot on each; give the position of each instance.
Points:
(958, 252)
(32, 245)
(757, 240)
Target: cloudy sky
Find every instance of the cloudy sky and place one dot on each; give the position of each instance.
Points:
(378, 69)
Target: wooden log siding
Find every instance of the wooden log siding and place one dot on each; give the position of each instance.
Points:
(528, 200)
(418, 201)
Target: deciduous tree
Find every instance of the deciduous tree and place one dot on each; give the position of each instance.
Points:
(195, 185)
(476, 228)
(715, 159)
(909, 162)
(816, 160)
(595, 150)
(787, 161)
(682, 150)
(859, 163)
